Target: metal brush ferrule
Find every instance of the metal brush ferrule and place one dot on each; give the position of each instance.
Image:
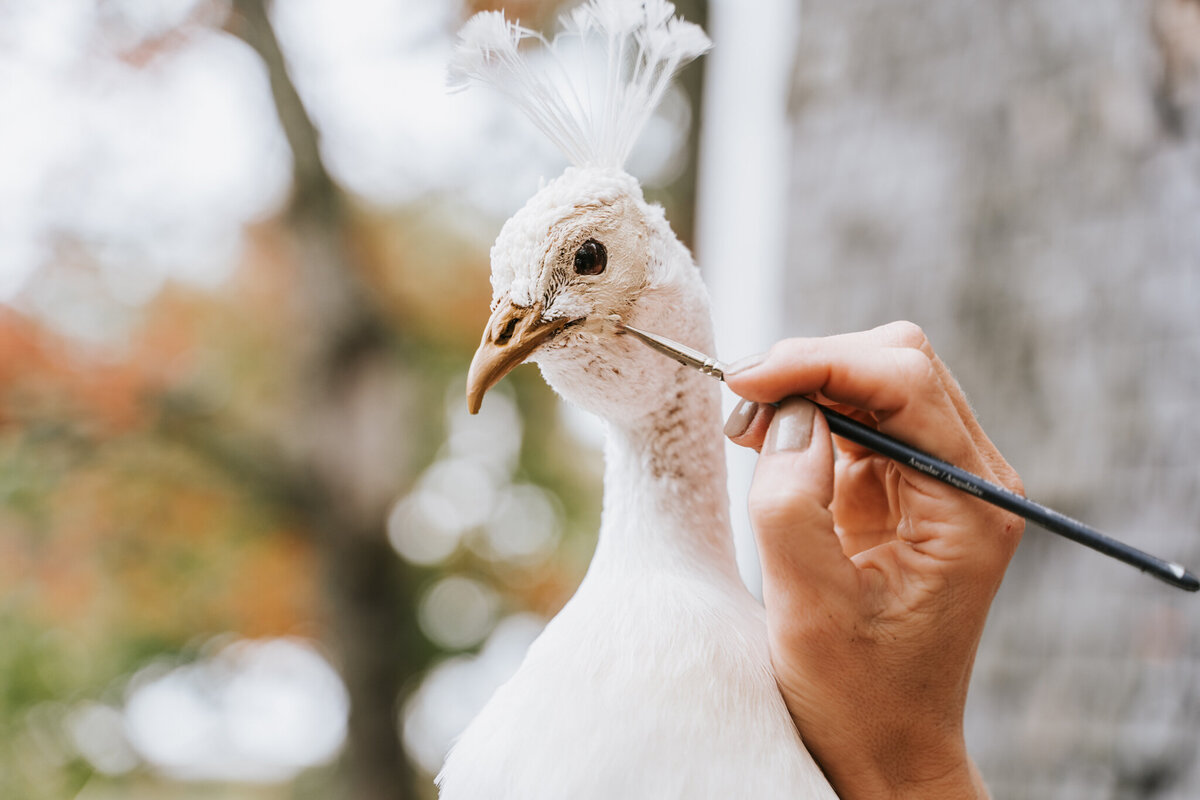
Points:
(713, 367)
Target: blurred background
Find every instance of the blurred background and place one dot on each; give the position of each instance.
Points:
(252, 545)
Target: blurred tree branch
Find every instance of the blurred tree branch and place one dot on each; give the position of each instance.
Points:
(317, 211)
(349, 379)
(681, 192)
(252, 24)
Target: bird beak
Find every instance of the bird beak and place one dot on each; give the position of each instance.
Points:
(511, 335)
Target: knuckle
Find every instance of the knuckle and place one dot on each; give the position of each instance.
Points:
(771, 507)
(907, 334)
(1011, 480)
(787, 348)
(915, 367)
(1015, 527)
(1008, 527)
(779, 508)
(1002, 472)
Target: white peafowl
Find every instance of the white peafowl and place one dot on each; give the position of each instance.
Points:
(655, 679)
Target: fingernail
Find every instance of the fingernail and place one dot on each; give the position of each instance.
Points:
(791, 428)
(743, 364)
(739, 418)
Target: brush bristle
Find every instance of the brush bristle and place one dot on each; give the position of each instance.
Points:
(600, 325)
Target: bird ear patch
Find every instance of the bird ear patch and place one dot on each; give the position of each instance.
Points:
(593, 88)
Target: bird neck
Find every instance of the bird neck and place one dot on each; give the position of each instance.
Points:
(665, 500)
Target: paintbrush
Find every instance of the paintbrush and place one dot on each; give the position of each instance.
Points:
(866, 436)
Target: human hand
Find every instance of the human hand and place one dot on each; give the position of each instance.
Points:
(877, 579)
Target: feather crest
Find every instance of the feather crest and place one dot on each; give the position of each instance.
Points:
(593, 108)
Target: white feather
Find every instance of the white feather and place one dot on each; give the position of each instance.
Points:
(592, 111)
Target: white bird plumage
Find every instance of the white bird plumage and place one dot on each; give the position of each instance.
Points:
(655, 679)
(595, 113)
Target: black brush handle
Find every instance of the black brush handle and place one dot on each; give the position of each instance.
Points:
(985, 490)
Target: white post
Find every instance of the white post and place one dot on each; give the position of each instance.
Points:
(742, 199)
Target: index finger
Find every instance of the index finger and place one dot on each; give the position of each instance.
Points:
(900, 387)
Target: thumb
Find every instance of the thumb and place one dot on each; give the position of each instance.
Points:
(802, 558)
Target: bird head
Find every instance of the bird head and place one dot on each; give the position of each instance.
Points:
(587, 247)
(585, 251)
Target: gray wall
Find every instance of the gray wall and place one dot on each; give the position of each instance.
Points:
(1022, 178)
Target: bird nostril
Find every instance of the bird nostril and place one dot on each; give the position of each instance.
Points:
(509, 328)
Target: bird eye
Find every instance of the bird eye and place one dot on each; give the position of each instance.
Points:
(591, 258)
